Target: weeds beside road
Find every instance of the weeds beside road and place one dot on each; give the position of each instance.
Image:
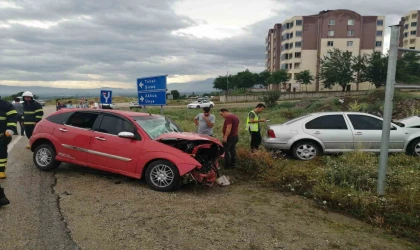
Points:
(346, 183)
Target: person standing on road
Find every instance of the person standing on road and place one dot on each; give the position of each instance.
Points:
(8, 120)
(253, 126)
(19, 108)
(205, 122)
(32, 113)
(230, 137)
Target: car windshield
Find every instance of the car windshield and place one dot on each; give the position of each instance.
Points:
(155, 126)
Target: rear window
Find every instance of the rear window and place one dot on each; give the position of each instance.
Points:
(296, 119)
(59, 118)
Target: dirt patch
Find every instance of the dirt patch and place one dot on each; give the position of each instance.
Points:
(113, 212)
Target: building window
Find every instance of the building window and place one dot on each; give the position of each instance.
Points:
(350, 33)
(412, 41)
(329, 54)
(298, 33)
(298, 44)
(413, 24)
(349, 43)
(290, 55)
(298, 22)
(290, 45)
(406, 26)
(350, 22)
(379, 33)
(297, 54)
(291, 35)
(330, 43)
(331, 22)
(406, 34)
(413, 16)
(380, 22)
(412, 48)
(296, 66)
(331, 33)
(378, 43)
(413, 32)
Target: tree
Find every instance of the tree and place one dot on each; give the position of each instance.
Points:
(278, 77)
(175, 93)
(263, 78)
(376, 69)
(304, 77)
(359, 68)
(224, 83)
(336, 69)
(408, 68)
(245, 79)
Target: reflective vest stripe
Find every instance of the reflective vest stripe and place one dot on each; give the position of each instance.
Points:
(29, 123)
(2, 118)
(11, 112)
(38, 110)
(3, 160)
(11, 124)
(29, 112)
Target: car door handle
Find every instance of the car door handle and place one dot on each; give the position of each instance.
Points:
(62, 129)
(359, 133)
(317, 132)
(100, 138)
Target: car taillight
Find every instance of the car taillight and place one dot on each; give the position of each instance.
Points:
(271, 134)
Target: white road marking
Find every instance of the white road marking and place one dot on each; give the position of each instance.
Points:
(13, 143)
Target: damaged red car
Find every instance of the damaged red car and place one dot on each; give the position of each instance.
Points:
(133, 144)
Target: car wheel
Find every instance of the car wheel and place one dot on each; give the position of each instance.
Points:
(413, 148)
(162, 176)
(44, 158)
(305, 150)
(198, 106)
(211, 105)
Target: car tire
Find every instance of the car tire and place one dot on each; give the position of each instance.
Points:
(413, 147)
(198, 106)
(44, 157)
(166, 170)
(306, 150)
(211, 105)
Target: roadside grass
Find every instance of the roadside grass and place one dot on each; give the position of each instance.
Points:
(344, 183)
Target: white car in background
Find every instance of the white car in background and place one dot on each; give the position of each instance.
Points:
(201, 103)
(134, 105)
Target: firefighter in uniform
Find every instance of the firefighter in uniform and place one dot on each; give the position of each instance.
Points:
(32, 113)
(8, 123)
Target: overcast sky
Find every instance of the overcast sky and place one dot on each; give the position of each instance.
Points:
(91, 43)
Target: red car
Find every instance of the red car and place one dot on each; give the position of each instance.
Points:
(127, 143)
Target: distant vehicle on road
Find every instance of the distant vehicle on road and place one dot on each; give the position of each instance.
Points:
(135, 105)
(108, 106)
(133, 144)
(200, 103)
(42, 102)
(330, 132)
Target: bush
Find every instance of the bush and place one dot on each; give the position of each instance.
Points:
(270, 98)
(286, 105)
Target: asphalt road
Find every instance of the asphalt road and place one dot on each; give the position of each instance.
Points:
(32, 220)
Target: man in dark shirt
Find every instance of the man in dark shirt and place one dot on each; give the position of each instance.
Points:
(230, 137)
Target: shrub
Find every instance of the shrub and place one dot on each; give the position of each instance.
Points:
(286, 105)
(270, 98)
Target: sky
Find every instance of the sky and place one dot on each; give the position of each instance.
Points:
(110, 43)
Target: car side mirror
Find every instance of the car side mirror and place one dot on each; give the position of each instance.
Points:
(127, 135)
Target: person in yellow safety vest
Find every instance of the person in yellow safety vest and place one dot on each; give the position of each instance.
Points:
(32, 113)
(8, 121)
(253, 126)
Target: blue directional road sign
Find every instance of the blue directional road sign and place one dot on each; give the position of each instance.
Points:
(106, 97)
(152, 90)
(152, 98)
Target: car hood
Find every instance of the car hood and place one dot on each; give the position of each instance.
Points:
(188, 136)
(410, 122)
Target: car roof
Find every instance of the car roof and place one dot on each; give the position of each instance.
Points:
(110, 111)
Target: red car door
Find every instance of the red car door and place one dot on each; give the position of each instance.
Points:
(110, 152)
(75, 135)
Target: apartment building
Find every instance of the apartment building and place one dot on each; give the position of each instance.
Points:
(304, 39)
(410, 30)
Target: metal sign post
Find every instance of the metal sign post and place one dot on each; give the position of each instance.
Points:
(389, 95)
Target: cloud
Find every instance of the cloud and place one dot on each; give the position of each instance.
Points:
(77, 43)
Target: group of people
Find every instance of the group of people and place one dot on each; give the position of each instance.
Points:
(27, 115)
(83, 104)
(205, 123)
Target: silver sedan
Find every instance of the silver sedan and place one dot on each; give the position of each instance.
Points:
(332, 132)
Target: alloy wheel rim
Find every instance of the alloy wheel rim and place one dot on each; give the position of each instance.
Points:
(306, 152)
(43, 157)
(162, 175)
